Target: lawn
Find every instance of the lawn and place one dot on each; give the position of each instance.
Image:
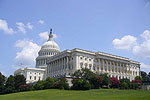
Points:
(96, 94)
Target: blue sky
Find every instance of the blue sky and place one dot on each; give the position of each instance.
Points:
(120, 27)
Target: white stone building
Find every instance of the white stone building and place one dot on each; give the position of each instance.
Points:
(48, 49)
(67, 62)
(31, 74)
(53, 63)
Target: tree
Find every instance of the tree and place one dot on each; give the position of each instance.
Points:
(105, 80)
(144, 76)
(114, 82)
(80, 84)
(62, 84)
(39, 85)
(2, 81)
(123, 81)
(49, 83)
(138, 78)
(96, 82)
(10, 84)
(19, 81)
(84, 73)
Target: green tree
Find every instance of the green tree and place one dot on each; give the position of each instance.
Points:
(39, 85)
(19, 81)
(80, 84)
(138, 78)
(2, 81)
(62, 84)
(84, 73)
(49, 83)
(105, 80)
(125, 80)
(10, 84)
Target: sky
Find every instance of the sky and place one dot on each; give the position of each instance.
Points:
(119, 27)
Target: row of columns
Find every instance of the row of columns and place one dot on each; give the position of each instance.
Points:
(58, 66)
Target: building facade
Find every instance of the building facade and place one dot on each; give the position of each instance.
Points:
(49, 48)
(31, 74)
(53, 63)
(67, 62)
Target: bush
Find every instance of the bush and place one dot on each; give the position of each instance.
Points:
(105, 80)
(49, 83)
(80, 84)
(114, 82)
(123, 81)
(124, 85)
(96, 82)
(62, 84)
(39, 85)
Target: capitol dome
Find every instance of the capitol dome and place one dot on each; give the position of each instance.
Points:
(51, 45)
(49, 48)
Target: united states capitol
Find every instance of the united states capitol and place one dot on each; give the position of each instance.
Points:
(51, 62)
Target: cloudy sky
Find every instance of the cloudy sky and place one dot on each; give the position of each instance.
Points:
(120, 27)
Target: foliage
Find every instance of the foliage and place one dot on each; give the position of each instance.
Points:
(96, 82)
(62, 84)
(10, 85)
(84, 73)
(19, 81)
(124, 85)
(2, 80)
(105, 80)
(138, 78)
(39, 85)
(80, 84)
(49, 83)
(123, 81)
(114, 82)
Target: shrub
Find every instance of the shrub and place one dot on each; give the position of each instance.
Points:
(62, 84)
(96, 82)
(80, 84)
(124, 85)
(114, 82)
(127, 81)
(49, 83)
(39, 85)
(105, 80)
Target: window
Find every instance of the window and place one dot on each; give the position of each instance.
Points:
(81, 65)
(89, 59)
(39, 78)
(80, 57)
(34, 77)
(39, 73)
(85, 58)
(30, 77)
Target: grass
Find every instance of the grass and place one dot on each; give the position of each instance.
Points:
(96, 94)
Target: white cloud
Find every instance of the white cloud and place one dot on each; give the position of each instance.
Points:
(21, 27)
(146, 35)
(29, 26)
(44, 35)
(28, 53)
(41, 22)
(138, 49)
(145, 67)
(142, 50)
(127, 42)
(4, 27)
